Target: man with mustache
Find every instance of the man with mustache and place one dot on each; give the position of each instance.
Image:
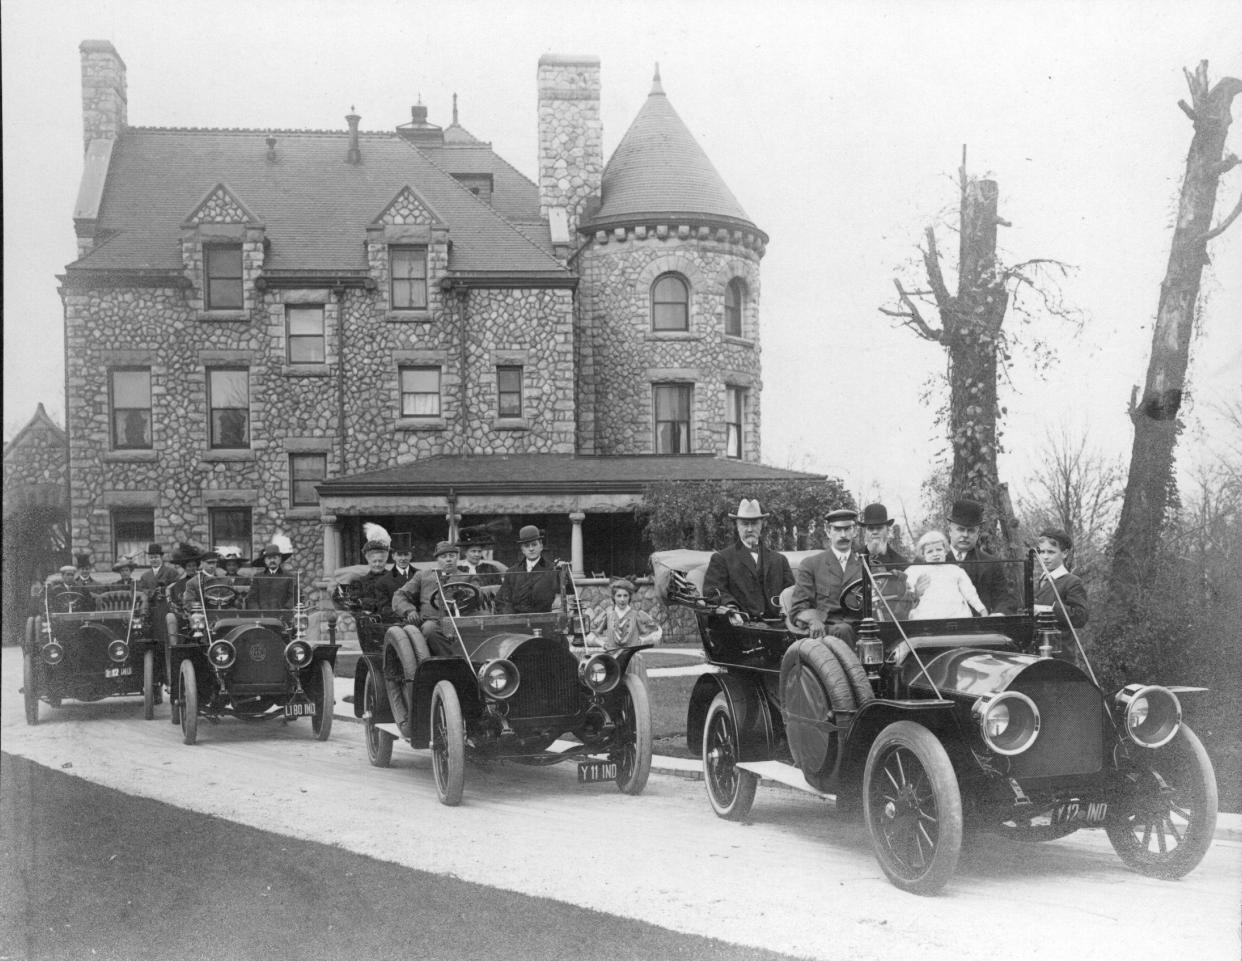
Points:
(821, 577)
(748, 575)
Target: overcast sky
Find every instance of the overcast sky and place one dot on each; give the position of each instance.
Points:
(838, 126)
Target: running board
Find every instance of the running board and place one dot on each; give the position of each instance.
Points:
(556, 747)
(389, 729)
(785, 774)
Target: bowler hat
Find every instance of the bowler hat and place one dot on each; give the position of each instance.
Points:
(155, 549)
(529, 533)
(874, 515)
(966, 513)
(841, 515)
(403, 543)
(445, 547)
(1058, 535)
(82, 560)
(749, 510)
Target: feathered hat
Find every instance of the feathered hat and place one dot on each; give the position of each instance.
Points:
(278, 545)
(378, 539)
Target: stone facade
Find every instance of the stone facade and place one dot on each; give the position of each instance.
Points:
(105, 99)
(571, 150)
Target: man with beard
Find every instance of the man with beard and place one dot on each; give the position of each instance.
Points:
(877, 528)
(748, 575)
(821, 578)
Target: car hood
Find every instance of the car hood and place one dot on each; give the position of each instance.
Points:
(973, 672)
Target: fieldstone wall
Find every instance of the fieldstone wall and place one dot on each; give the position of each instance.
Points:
(105, 99)
(37, 458)
(571, 152)
(618, 270)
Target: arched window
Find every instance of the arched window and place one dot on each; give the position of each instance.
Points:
(670, 303)
(734, 300)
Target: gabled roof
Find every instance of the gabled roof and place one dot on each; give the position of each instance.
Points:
(314, 205)
(40, 423)
(660, 169)
(550, 473)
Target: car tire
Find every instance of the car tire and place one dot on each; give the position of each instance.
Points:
(189, 702)
(633, 736)
(912, 807)
(173, 637)
(448, 743)
(379, 743)
(730, 790)
(860, 685)
(421, 650)
(400, 663)
(1162, 834)
(148, 685)
(29, 691)
(325, 701)
(814, 688)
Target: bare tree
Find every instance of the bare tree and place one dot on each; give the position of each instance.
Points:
(970, 330)
(1150, 486)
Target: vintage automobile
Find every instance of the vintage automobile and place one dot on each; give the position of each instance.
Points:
(520, 687)
(227, 658)
(936, 726)
(90, 642)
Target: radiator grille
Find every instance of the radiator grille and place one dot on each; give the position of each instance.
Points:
(1071, 736)
(260, 660)
(549, 685)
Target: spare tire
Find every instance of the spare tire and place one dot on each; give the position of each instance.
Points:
(854, 672)
(813, 687)
(399, 664)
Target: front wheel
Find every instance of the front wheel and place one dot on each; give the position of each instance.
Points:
(730, 790)
(325, 701)
(379, 743)
(28, 688)
(448, 743)
(189, 702)
(913, 808)
(148, 685)
(633, 736)
(1164, 824)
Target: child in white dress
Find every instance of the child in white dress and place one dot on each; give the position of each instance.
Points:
(940, 589)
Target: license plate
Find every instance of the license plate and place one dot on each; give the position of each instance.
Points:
(118, 671)
(1080, 812)
(299, 709)
(591, 771)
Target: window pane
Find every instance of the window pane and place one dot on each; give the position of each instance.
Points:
(131, 388)
(132, 531)
(230, 527)
(306, 350)
(420, 391)
(509, 391)
(230, 428)
(306, 320)
(223, 266)
(672, 418)
(230, 388)
(230, 407)
(131, 409)
(131, 428)
(733, 308)
(306, 470)
(670, 298)
(408, 270)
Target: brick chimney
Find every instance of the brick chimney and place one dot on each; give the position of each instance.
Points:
(571, 149)
(104, 98)
(354, 154)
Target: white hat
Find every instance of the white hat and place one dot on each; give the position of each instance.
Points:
(749, 511)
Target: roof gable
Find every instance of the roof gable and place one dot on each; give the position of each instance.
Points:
(220, 206)
(408, 207)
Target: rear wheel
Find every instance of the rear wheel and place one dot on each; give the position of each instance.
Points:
(148, 685)
(448, 743)
(399, 666)
(189, 702)
(1163, 825)
(325, 701)
(730, 790)
(170, 626)
(633, 736)
(913, 808)
(379, 743)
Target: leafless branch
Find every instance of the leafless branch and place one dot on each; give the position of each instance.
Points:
(1224, 224)
(912, 317)
(1224, 166)
(931, 259)
(1186, 109)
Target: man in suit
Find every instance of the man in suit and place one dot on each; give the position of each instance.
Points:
(531, 586)
(965, 524)
(403, 569)
(748, 575)
(820, 579)
(158, 575)
(418, 604)
(877, 528)
(271, 589)
(1056, 589)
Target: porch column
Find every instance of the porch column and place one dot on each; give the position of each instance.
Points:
(331, 543)
(454, 519)
(575, 542)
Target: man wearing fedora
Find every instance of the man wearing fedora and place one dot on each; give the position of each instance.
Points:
(748, 575)
(821, 578)
(965, 525)
(413, 601)
(877, 528)
(271, 589)
(531, 585)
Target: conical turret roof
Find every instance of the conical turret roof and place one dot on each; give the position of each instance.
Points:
(659, 169)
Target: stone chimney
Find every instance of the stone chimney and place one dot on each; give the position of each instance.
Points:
(571, 148)
(104, 97)
(354, 156)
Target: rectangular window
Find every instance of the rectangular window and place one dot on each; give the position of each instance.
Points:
(230, 527)
(735, 411)
(228, 396)
(222, 267)
(132, 530)
(420, 391)
(306, 338)
(408, 269)
(131, 409)
(305, 471)
(509, 391)
(672, 418)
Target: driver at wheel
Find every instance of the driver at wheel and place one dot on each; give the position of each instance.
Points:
(413, 601)
(820, 579)
(748, 575)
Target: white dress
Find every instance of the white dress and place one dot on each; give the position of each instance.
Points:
(943, 590)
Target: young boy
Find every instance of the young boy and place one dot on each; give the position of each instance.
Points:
(942, 590)
(1069, 600)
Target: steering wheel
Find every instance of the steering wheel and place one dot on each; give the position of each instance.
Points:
(219, 595)
(465, 596)
(69, 599)
(890, 584)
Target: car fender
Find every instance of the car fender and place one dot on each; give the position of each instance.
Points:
(367, 664)
(935, 715)
(756, 738)
(452, 669)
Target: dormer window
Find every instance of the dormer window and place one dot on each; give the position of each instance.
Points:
(223, 277)
(408, 271)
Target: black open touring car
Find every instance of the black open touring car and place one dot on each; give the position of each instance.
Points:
(519, 687)
(226, 659)
(936, 725)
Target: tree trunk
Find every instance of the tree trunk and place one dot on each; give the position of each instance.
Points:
(1155, 416)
